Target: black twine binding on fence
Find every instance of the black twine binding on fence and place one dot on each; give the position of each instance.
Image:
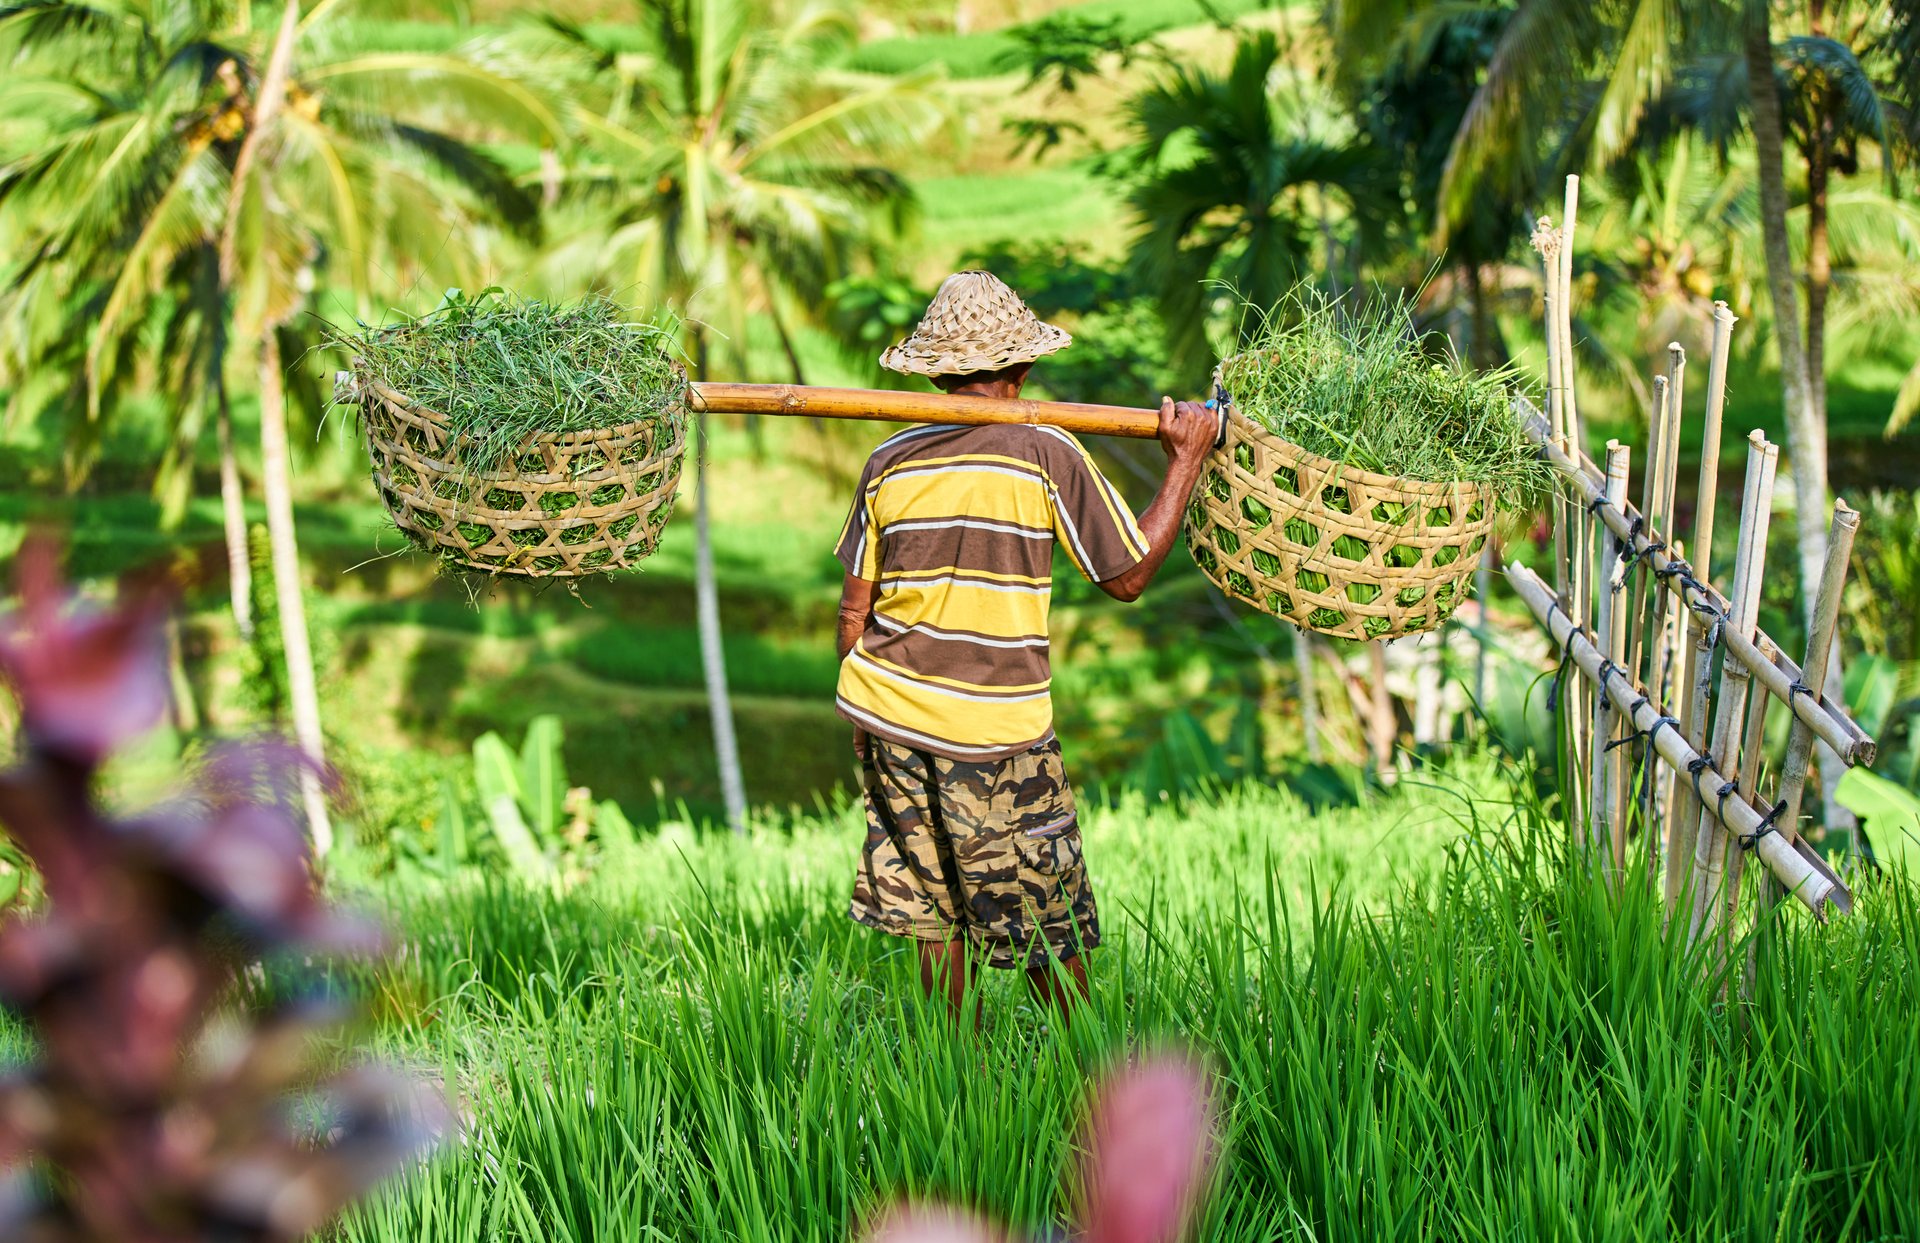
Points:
(1721, 795)
(1680, 568)
(1650, 756)
(1607, 670)
(1566, 653)
(1623, 545)
(1766, 826)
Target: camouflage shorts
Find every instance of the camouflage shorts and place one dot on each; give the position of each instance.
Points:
(988, 851)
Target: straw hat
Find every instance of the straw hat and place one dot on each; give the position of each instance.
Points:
(975, 323)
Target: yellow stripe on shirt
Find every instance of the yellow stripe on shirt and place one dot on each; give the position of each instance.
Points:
(944, 713)
(999, 612)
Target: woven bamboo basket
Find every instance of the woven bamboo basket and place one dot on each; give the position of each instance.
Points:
(1335, 549)
(571, 505)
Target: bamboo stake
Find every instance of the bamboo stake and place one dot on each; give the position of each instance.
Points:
(1723, 322)
(1826, 614)
(1650, 482)
(1752, 755)
(1581, 553)
(1608, 827)
(1661, 518)
(1546, 241)
(1813, 888)
(1575, 430)
(1756, 515)
(1680, 803)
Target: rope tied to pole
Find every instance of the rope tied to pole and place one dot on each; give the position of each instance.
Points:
(1680, 568)
(1726, 791)
(1648, 752)
(1607, 670)
(1767, 825)
(1566, 654)
(1623, 544)
(1640, 734)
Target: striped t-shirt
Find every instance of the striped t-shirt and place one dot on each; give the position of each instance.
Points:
(957, 526)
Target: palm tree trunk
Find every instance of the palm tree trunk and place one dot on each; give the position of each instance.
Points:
(1486, 350)
(1819, 286)
(1803, 374)
(1819, 271)
(726, 750)
(233, 513)
(1806, 422)
(277, 482)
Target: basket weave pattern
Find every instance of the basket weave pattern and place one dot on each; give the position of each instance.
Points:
(1335, 549)
(571, 505)
(975, 323)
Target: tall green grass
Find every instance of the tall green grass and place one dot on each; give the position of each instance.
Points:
(1423, 1026)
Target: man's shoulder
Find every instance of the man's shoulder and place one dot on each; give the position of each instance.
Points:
(1039, 445)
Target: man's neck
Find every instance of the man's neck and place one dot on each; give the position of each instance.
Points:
(991, 388)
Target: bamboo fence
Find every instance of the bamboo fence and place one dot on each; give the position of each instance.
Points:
(1662, 670)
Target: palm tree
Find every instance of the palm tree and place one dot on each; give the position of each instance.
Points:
(1234, 184)
(1412, 99)
(189, 173)
(726, 168)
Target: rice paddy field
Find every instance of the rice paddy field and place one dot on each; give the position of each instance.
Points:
(1422, 1026)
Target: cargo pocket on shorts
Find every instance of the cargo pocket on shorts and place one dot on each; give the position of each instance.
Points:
(1048, 856)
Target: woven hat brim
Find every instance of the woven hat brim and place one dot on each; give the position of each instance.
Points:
(918, 355)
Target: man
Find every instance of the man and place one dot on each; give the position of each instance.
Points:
(973, 848)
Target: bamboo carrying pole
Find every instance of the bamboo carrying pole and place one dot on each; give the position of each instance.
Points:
(1756, 514)
(1812, 887)
(901, 407)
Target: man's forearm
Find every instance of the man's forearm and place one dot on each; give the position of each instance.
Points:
(852, 626)
(856, 607)
(1160, 523)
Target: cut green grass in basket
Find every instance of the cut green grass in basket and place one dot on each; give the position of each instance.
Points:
(1360, 384)
(503, 368)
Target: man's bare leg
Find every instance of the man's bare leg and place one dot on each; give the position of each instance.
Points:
(1062, 993)
(943, 973)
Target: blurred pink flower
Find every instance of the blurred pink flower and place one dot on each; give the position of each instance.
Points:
(88, 680)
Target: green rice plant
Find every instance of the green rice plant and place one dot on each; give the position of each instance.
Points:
(503, 368)
(1362, 386)
(1425, 1024)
